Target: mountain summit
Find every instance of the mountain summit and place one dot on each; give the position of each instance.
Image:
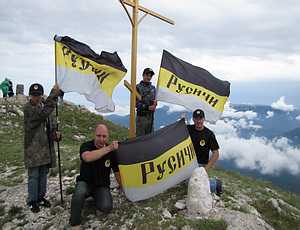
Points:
(245, 204)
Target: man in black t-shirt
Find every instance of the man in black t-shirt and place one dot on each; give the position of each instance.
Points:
(204, 140)
(97, 160)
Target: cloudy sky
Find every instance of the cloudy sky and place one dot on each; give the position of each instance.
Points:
(253, 44)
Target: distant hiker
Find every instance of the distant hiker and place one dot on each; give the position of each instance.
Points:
(204, 141)
(5, 87)
(146, 106)
(10, 89)
(97, 159)
(39, 137)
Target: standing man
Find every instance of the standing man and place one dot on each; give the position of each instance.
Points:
(204, 140)
(39, 137)
(97, 160)
(146, 106)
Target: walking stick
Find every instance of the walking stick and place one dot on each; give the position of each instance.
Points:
(58, 148)
(59, 164)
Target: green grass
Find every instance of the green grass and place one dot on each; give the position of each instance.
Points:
(14, 211)
(70, 190)
(280, 221)
(2, 210)
(180, 222)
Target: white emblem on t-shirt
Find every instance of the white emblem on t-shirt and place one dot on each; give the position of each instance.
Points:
(107, 163)
(202, 143)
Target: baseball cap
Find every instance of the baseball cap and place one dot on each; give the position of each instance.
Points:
(36, 90)
(198, 113)
(148, 70)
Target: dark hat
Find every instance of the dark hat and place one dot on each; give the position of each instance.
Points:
(36, 90)
(148, 70)
(198, 113)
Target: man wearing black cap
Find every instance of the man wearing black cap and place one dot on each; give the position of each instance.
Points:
(39, 137)
(146, 106)
(204, 140)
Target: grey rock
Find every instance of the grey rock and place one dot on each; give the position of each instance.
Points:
(275, 204)
(56, 210)
(79, 137)
(172, 227)
(199, 200)
(8, 226)
(240, 221)
(167, 214)
(180, 204)
(186, 227)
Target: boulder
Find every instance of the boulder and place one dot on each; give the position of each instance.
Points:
(199, 199)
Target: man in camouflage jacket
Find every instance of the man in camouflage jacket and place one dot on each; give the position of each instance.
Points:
(145, 107)
(39, 136)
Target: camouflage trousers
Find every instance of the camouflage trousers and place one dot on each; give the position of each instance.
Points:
(144, 124)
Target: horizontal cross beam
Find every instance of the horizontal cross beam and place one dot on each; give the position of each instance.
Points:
(129, 87)
(147, 11)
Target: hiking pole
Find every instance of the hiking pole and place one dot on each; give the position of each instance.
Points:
(59, 162)
(58, 147)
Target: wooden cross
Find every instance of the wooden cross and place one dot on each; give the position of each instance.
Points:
(134, 23)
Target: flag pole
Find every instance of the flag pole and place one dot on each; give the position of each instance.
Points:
(58, 147)
(133, 67)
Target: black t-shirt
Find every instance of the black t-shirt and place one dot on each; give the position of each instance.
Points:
(203, 142)
(96, 173)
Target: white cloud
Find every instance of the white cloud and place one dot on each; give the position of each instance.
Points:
(121, 110)
(256, 153)
(233, 113)
(244, 124)
(280, 104)
(298, 118)
(223, 128)
(172, 107)
(269, 114)
(232, 126)
(268, 157)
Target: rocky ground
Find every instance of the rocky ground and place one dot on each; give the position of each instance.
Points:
(236, 209)
(245, 204)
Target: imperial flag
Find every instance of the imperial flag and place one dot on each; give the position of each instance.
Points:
(152, 163)
(80, 69)
(193, 87)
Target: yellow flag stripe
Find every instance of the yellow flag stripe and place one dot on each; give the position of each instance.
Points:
(159, 169)
(108, 77)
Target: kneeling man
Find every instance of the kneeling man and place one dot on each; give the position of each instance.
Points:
(97, 160)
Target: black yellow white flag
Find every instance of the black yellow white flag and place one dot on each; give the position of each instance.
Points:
(153, 163)
(184, 84)
(81, 70)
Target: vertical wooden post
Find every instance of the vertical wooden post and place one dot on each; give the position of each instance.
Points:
(135, 11)
(134, 23)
